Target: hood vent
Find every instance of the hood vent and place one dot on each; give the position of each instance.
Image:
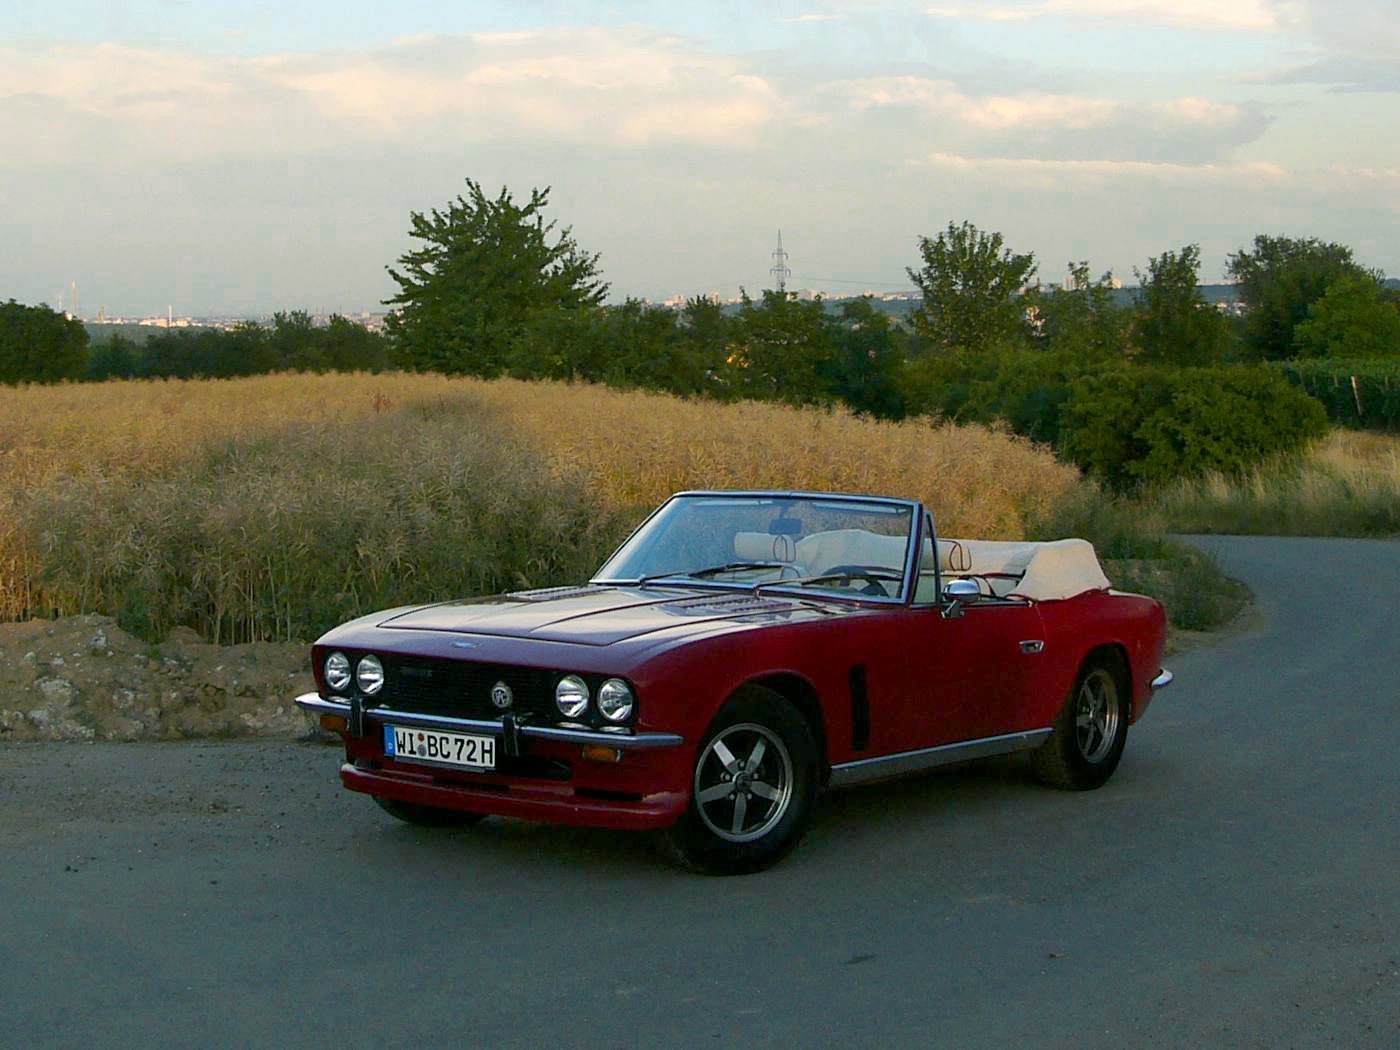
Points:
(739, 605)
(552, 594)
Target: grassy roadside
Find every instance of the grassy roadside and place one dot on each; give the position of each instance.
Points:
(1346, 485)
(1139, 556)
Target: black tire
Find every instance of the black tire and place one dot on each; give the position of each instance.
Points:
(768, 807)
(1078, 757)
(428, 816)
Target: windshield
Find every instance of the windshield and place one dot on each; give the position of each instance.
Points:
(827, 545)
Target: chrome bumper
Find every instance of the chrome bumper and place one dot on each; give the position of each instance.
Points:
(1164, 678)
(623, 740)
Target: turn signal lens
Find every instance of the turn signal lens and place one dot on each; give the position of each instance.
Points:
(602, 753)
(571, 696)
(334, 723)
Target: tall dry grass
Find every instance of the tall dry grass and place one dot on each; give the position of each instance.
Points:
(1347, 485)
(275, 506)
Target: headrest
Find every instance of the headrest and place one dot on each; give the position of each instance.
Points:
(760, 546)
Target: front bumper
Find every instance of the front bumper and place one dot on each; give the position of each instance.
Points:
(623, 740)
(640, 792)
(1164, 678)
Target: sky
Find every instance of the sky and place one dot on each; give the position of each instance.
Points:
(241, 158)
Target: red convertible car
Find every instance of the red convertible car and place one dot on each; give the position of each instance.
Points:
(739, 653)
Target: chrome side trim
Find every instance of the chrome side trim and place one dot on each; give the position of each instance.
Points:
(623, 741)
(1164, 678)
(931, 757)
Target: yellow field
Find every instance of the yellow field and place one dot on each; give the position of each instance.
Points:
(237, 505)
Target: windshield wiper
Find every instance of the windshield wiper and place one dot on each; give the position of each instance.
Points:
(713, 570)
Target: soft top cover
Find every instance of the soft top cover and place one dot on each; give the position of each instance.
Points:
(1049, 571)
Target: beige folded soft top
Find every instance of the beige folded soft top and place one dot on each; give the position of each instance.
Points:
(1048, 571)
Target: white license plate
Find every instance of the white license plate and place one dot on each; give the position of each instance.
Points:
(432, 745)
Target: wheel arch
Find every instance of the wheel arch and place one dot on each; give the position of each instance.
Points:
(1115, 653)
(802, 694)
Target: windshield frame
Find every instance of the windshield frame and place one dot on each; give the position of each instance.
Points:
(909, 572)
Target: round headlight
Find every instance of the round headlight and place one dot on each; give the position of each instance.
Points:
(615, 700)
(571, 696)
(337, 671)
(369, 675)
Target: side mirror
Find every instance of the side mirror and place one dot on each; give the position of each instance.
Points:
(960, 593)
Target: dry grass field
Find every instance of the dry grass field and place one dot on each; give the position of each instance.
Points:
(272, 507)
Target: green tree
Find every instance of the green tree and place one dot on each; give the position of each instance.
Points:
(864, 369)
(117, 358)
(38, 345)
(779, 346)
(1175, 325)
(485, 263)
(1083, 321)
(1353, 319)
(971, 289)
(1279, 281)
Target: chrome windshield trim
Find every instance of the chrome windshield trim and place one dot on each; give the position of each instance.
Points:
(884, 766)
(623, 741)
(1164, 678)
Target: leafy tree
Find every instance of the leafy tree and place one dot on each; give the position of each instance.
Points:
(971, 289)
(863, 370)
(117, 358)
(1279, 281)
(1083, 322)
(779, 346)
(38, 345)
(1175, 325)
(1352, 319)
(483, 266)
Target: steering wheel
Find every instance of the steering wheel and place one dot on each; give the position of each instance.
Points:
(872, 574)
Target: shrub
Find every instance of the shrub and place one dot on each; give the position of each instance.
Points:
(1138, 425)
(1356, 393)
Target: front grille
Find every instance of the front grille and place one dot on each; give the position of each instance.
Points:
(462, 689)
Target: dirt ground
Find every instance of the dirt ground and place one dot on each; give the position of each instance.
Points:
(84, 678)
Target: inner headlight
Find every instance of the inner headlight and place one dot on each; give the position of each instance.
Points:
(337, 670)
(369, 675)
(615, 700)
(571, 696)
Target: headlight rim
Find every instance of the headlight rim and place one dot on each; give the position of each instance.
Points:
(627, 711)
(374, 689)
(326, 673)
(578, 710)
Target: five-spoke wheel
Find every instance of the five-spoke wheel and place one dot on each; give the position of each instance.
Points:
(1087, 742)
(756, 775)
(743, 782)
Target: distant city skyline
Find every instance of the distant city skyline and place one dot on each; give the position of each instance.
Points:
(238, 159)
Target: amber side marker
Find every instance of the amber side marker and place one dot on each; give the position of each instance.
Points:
(602, 753)
(334, 723)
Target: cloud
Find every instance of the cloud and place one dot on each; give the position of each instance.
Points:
(1059, 126)
(1181, 14)
(619, 88)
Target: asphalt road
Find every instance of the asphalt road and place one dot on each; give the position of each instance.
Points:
(1237, 884)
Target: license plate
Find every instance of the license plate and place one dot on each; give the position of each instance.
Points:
(432, 745)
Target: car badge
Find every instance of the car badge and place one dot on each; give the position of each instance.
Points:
(464, 645)
(501, 695)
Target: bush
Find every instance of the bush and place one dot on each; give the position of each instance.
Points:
(1139, 425)
(1356, 393)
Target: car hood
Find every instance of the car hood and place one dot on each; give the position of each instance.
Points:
(605, 615)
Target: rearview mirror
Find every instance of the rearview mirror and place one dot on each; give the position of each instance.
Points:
(959, 593)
